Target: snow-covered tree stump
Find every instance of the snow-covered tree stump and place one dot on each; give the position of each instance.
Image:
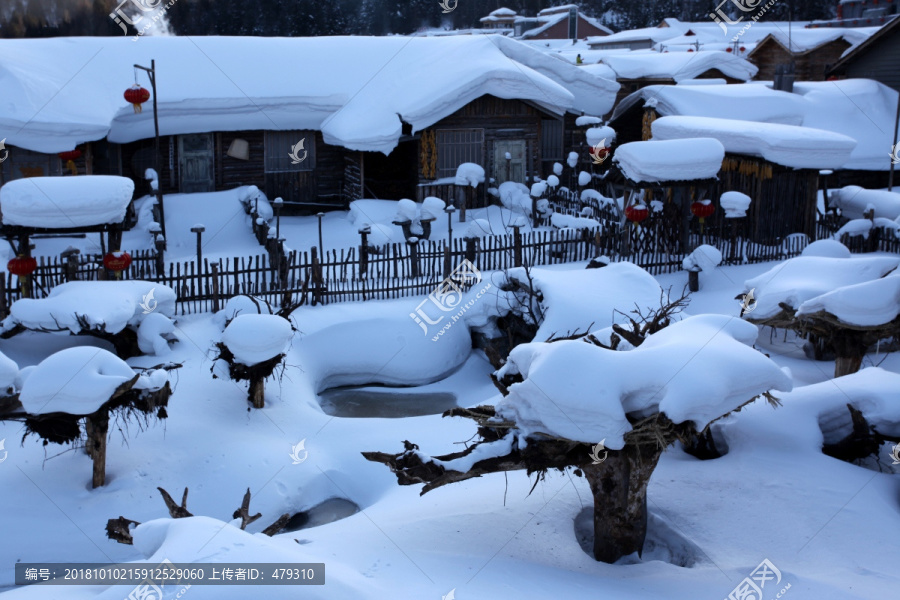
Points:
(252, 347)
(575, 403)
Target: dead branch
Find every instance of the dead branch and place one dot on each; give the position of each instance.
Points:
(175, 511)
(244, 512)
(278, 525)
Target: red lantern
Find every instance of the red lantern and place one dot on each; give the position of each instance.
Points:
(70, 155)
(690, 49)
(22, 266)
(729, 49)
(742, 49)
(703, 209)
(117, 261)
(136, 95)
(636, 213)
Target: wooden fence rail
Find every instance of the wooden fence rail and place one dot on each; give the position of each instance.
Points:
(397, 270)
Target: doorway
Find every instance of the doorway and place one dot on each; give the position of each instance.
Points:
(195, 163)
(512, 169)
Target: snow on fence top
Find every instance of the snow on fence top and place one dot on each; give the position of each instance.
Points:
(65, 202)
(672, 160)
(803, 278)
(678, 65)
(858, 108)
(787, 145)
(107, 305)
(347, 87)
(694, 370)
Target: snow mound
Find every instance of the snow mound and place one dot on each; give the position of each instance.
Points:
(478, 228)
(65, 202)
(585, 121)
(432, 208)
(672, 160)
(469, 174)
(865, 304)
(803, 278)
(77, 381)
(515, 197)
(9, 372)
(604, 134)
(257, 338)
(578, 300)
(561, 221)
(854, 201)
(694, 370)
(572, 159)
(735, 204)
(827, 249)
(703, 258)
(406, 211)
(243, 304)
(584, 178)
(107, 305)
(154, 333)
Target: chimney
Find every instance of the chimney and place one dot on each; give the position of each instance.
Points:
(573, 23)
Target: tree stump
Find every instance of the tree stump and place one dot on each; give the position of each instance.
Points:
(258, 392)
(99, 427)
(619, 486)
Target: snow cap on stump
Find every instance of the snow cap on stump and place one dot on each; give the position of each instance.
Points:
(254, 339)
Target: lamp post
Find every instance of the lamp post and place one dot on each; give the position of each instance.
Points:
(320, 215)
(449, 209)
(278, 203)
(151, 73)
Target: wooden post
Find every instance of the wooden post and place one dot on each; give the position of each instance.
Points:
(517, 246)
(316, 275)
(97, 440)
(461, 196)
(413, 256)
(364, 254)
(215, 287)
(470, 249)
(447, 257)
(694, 280)
(4, 309)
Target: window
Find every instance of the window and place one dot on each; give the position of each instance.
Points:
(457, 146)
(289, 151)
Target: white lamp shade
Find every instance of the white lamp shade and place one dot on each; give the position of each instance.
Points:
(239, 148)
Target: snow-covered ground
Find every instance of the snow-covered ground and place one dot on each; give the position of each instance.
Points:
(829, 527)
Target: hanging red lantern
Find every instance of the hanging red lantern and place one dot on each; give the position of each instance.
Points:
(136, 95)
(729, 49)
(636, 213)
(70, 155)
(117, 261)
(742, 49)
(22, 266)
(703, 209)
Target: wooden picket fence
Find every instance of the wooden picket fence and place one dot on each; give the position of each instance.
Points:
(398, 270)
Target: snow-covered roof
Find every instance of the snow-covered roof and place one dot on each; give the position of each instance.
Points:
(678, 65)
(65, 202)
(706, 32)
(788, 145)
(855, 201)
(499, 15)
(355, 90)
(804, 40)
(551, 16)
(672, 160)
(862, 109)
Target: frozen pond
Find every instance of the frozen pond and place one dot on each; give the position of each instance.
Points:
(357, 403)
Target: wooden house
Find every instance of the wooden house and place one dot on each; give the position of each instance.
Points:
(812, 52)
(875, 58)
(333, 132)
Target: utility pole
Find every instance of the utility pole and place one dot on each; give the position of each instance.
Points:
(151, 73)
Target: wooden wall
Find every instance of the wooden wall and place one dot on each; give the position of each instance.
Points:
(560, 31)
(879, 60)
(810, 66)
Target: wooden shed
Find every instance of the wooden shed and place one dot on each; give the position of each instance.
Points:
(811, 63)
(875, 58)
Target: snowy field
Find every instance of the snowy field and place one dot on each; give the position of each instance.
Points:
(830, 527)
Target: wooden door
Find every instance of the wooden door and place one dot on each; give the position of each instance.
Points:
(195, 163)
(516, 149)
